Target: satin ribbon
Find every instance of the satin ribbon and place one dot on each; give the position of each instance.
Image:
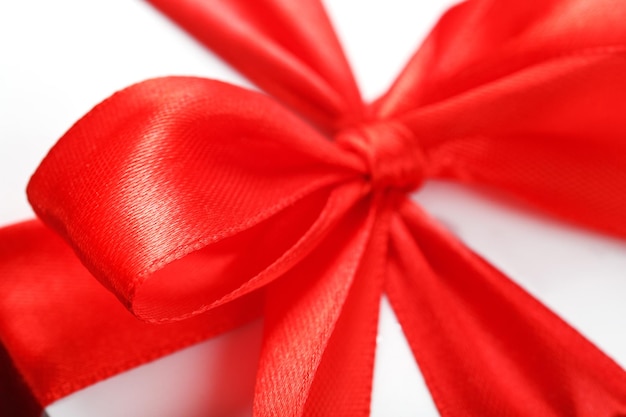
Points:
(201, 206)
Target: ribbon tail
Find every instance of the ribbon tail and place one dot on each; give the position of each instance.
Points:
(322, 316)
(352, 345)
(485, 346)
(63, 331)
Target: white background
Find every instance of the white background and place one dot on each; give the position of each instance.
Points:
(58, 59)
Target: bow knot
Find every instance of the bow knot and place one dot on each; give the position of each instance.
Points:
(393, 155)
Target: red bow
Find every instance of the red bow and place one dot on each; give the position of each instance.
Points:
(184, 196)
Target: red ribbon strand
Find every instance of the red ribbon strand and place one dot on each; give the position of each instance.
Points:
(202, 206)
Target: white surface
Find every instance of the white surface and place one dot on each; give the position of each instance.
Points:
(58, 59)
(218, 375)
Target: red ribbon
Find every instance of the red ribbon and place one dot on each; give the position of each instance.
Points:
(186, 196)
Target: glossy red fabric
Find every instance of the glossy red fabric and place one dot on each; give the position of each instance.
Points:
(64, 331)
(198, 204)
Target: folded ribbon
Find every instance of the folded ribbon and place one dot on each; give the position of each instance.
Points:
(185, 196)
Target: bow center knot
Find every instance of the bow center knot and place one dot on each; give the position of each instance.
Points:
(392, 153)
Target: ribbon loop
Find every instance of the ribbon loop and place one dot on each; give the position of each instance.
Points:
(391, 152)
(153, 193)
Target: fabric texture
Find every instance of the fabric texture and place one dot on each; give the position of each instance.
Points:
(202, 206)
